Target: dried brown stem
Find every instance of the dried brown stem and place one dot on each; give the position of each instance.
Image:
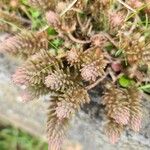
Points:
(77, 40)
(89, 87)
(110, 39)
(127, 6)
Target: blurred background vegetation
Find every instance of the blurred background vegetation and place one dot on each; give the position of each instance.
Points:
(12, 138)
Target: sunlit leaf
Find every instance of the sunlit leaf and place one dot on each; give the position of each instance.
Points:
(125, 82)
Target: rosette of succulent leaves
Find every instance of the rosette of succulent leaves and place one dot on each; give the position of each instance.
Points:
(71, 46)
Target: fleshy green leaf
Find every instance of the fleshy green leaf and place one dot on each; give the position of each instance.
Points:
(34, 13)
(57, 42)
(51, 31)
(119, 52)
(145, 88)
(125, 82)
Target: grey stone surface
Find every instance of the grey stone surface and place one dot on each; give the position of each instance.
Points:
(86, 128)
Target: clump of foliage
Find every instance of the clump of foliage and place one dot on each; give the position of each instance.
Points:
(71, 46)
